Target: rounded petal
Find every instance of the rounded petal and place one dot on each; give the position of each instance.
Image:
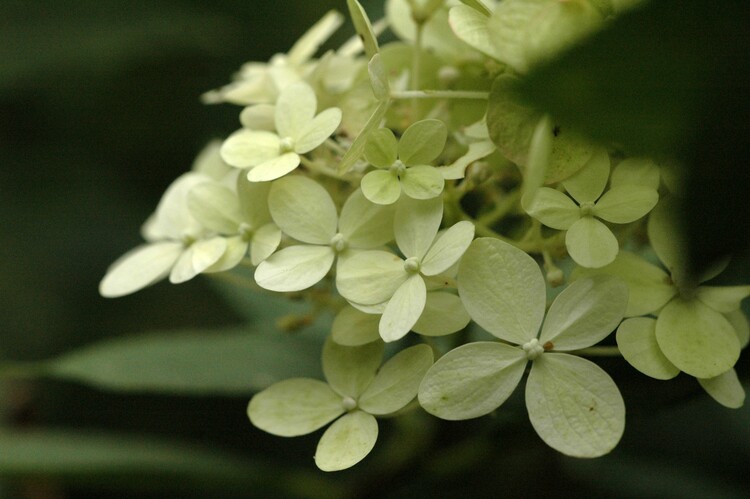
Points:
(416, 225)
(274, 168)
(139, 268)
(472, 380)
(347, 441)
(215, 206)
(303, 209)
(233, 255)
(246, 148)
(422, 142)
(381, 187)
(739, 322)
(636, 171)
(316, 131)
(444, 313)
(352, 327)
(264, 242)
(294, 268)
(725, 388)
(258, 117)
(574, 405)
(626, 203)
(364, 224)
(636, 339)
(448, 248)
(294, 407)
(590, 243)
(370, 277)
(397, 382)
(723, 299)
(664, 238)
(588, 183)
(350, 370)
(207, 252)
(503, 289)
(403, 309)
(585, 313)
(422, 182)
(697, 339)
(253, 199)
(552, 208)
(381, 148)
(295, 108)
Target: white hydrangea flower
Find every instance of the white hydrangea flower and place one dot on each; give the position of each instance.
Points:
(299, 130)
(178, 245)
(375, 277)
(304, 210)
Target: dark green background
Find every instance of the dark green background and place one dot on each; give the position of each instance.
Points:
(99, 112)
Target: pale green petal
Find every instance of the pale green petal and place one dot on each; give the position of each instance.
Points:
(172, 218)
(626, 203)
(353, 328)
(207, 252)
(216, 207)
(397, 382)
(294, 407)
(295, 108)
(636, 339)
(503, 289)
(404, 309)
(253, 197)
(264, 242)
(470, 26)
(472, 380)
(448, 248)
(381, 187)
(477, 150)
(274, 168)
(139, 268)
(509, 28)
(422, 182)
(370, 277)
(208, 161)
(347, 441)
(350, 370)
(416, 224)
(258, 117)
(696, 338)
(540, 151)
(309, 43)
(636, 171)
(246, 148)
(316, 131)
(726, 389)
(585, 313)
(422, 142)
(664, 238)
(303, 209)
(376, 309)
(574, 405)
(739, 321)
(650, 288)
(364, 224)
(714, 269)
(552, 208)
(183, 270)
(590, 243)
(381, 148)
(233, 255)
(294, 268)
(723, 299)
(588, 183)
(444, 313)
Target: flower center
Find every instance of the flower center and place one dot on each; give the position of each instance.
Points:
(245, 231)
(286, 145)
(398, 168)
(349, 403)
(412, 265)
(533, 349)
(587, 209)
(338, 243)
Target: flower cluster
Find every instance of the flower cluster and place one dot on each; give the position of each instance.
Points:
(365, 174)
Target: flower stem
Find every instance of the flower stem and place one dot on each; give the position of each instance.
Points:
(439, 94)
(601, 351)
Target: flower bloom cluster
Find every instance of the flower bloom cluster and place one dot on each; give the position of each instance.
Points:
(368, 173)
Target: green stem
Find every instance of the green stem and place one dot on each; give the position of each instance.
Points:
(601, 351)
(501, 208)
(416, 64)
(439, 94)
(23, 370)
(335, 146)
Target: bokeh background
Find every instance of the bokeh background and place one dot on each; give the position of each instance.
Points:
(99, 112)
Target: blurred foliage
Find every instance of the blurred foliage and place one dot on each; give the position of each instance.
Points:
(99, 112)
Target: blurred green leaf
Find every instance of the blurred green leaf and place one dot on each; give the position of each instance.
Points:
(227, 362)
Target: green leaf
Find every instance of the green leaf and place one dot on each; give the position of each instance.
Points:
(650, 288)
(416, 225)
(448, 248)
(503, 289)
(303, 209)
(349, 370)
(470, 26)
(422, 142)
(585, 313)
(696, 338)
(626, 203)
(590, 243)
(552, 208)
(443, 313)
(353, 328)
(403, 309)
(382, 148)
(379, 78)
(574, 405)
(294, 268)
(509, 28)
(472, 380)
(364, 28)
(355, 150)
(294, 407)
(397, 382)
(726, 389)
(588, 183)
(230, 362)
(422, 182)
(347, 441)
(636, 339)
